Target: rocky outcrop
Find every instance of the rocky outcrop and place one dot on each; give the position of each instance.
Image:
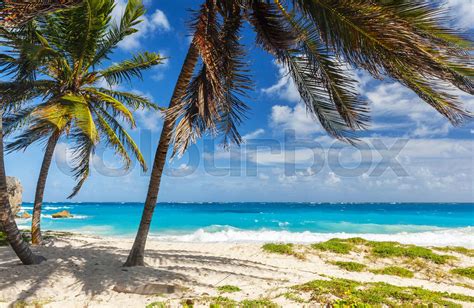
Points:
(62, 214)
(15, 193)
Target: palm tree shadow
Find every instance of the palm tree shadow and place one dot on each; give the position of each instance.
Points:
(96, 269)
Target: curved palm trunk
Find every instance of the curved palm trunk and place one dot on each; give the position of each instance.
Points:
(136, 256)
(7, 220)
(36, 238)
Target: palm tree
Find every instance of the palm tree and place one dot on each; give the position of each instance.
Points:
(73, 104)
(12, 95)
(316, 40)
(14, 13)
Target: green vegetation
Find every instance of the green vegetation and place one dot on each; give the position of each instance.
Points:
(458, 249)
(224, 302)
(228, 289)
(394, 271)
(3, 239)
(466, 272)
(157, 305)
(282, 249)
(394, 249)
(350, 266)
(293, 297)
(356, 293)
(334, 245)
(258, 303)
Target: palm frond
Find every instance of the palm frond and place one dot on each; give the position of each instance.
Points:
(117, 32)
(133, 100)
(111, 103)
(124, 71)
(375, 37)
(332, 73)
(82, 115)
(122, 135)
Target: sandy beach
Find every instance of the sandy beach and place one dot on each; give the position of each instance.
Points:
(86, 271)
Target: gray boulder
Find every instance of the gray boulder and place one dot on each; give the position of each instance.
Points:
(15, 193)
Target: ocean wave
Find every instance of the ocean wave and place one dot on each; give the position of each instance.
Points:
(444, 237)
(55, 208)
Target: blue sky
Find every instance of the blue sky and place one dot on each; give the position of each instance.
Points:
(434, 161)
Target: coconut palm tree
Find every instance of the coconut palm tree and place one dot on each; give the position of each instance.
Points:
(70, 47)
(12, 94)
(14, 13)
(316, 40)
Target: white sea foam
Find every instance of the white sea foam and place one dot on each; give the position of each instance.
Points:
(55, 208)
(443, 237)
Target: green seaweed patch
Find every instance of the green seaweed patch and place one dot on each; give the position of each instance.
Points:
(334, 245)
(394, 249)
(394, 271)
(228, 289)
(353, 293)
(464, 271)
(350, 266)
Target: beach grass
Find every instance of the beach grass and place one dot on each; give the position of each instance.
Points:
(334, 245)
(394, 271)
(225, 302)
(461, 250)
(350, 266)
(282, 249)
(157, 305)
(394, 249)
(228, 289)
(353, 293)
(464, 271)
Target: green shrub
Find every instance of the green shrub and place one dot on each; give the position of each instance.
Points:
(334, 245)
(357, 294)
(394, 271)
(466, 272)
(283, 249)
(350, 266)
(228, 289)
(393, 249)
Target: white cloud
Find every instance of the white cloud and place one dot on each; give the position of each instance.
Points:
(295, 118)
(156, 22)
(253, 135)
(285, 88)
(333, 179)
(160, 20)
(149, 119)
(462, 11)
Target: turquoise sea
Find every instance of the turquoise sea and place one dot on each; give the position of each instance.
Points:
(417, 223)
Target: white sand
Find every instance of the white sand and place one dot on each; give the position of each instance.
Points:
(82, 271)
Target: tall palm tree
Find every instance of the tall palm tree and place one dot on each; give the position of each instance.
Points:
(73, 104)
(316, 40)
(14, 13)
(12, 95)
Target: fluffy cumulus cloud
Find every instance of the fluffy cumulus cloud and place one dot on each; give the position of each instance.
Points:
(294, 118)
(157, 21)
(285, 88)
